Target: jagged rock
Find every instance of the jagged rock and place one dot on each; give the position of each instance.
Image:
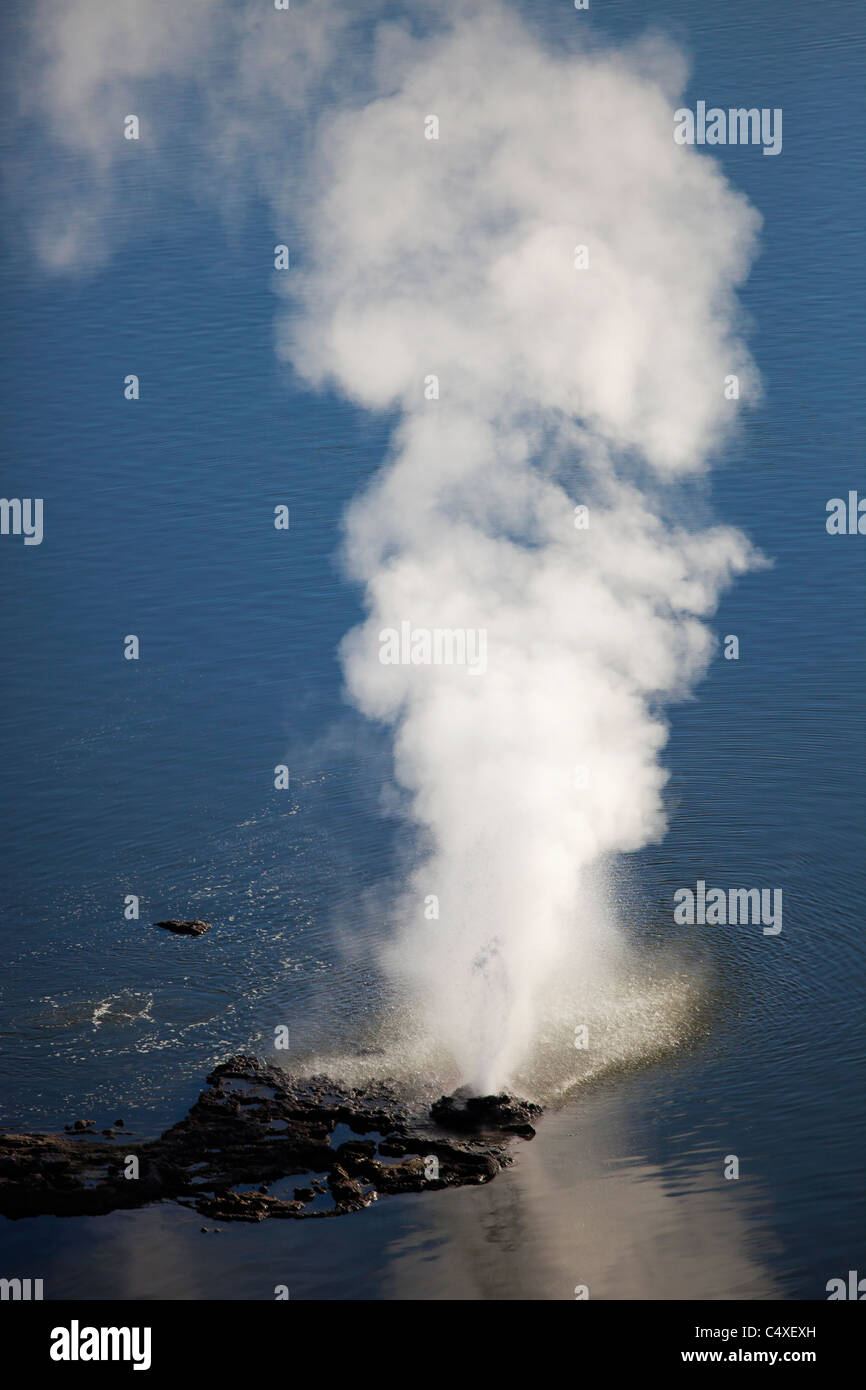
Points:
(253, 1126)
(193, 928)
(468, 1114)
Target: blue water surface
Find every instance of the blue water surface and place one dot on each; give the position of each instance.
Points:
(155, 777)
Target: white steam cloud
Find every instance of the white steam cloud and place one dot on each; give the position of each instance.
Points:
(559, 386)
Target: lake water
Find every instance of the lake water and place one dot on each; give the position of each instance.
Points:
(156, 777)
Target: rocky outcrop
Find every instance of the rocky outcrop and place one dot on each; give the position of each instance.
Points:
(193, 928)
(468, 1114)
(259, 1143)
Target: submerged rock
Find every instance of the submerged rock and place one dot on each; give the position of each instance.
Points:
(193, 928)
(259, 1143)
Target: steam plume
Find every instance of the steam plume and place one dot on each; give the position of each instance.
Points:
(598, 385)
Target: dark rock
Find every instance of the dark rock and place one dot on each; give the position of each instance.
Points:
(392, 1148)
(193, 928)
(470, 1114)
(347, 1190)
(251, 1127)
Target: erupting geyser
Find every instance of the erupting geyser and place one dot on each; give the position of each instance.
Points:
(506, 245)
(546, 292)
